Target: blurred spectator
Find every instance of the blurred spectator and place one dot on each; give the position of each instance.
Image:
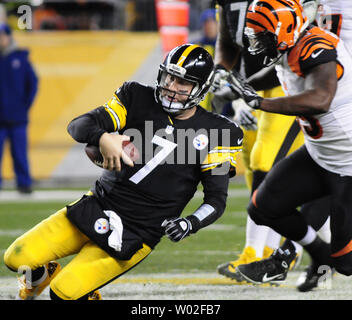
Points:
(209, 30)
(18, 87)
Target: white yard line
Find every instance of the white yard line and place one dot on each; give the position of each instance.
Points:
(12, 232)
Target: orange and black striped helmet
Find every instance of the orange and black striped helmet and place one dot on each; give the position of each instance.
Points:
(274, 26)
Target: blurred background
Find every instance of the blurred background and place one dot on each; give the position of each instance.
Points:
(82, 51)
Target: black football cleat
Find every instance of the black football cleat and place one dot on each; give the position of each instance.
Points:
(313, 276)
(271, 270)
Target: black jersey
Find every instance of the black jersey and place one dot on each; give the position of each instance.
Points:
(234, 17)
(175, 156)
(234, 12)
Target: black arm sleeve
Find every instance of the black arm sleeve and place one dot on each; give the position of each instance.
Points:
(89, 127)
(215, 195)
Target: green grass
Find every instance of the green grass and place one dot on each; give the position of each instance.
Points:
(200, 252)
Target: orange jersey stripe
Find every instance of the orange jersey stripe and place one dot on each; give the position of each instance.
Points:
(304, 47)
(254, 198)
(339, 70)
(343, 251)
(313, 41)
(316, 46)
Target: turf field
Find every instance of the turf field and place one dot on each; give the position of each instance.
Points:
(184, 270)
(203, 251)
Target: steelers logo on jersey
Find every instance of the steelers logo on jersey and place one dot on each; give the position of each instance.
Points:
(200, 141)
(101, 226)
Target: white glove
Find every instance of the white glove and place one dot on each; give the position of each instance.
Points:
(220, 79)
(221, 89)
(244, 115)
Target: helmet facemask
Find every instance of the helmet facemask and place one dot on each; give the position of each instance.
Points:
(264, 44)
(175, 102)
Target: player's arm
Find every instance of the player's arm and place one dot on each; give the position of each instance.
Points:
(89, 127)
(225, 58)
(218, 166)
(226, 52)
(216, 170)
(264, 79)
(213, 206)
(215, 194)
(320, 88)
(316, 61)
(94, 127)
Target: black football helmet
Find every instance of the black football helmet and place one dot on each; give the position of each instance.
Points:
(191, 63)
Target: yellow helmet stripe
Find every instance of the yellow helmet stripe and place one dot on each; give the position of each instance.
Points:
(185, 53)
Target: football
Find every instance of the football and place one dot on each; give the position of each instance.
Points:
(96, 157)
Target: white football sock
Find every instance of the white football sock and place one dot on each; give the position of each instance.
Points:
(298, 247)
(324, 232)
(273, 239)
(309, 237)
(256, 236)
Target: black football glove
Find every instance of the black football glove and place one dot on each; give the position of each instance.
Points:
(244, 90)
(177, 228)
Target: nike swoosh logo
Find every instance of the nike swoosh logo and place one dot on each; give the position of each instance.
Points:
(267, 279)
(315, 54)
(239, 141)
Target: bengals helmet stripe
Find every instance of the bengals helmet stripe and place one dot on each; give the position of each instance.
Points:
(291, 11)
(283, 18)
(265, 15)
(185, 53)
(272, 12)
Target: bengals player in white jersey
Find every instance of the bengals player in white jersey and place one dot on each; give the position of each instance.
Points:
(276, 136)
(314, 68)
(336, 16)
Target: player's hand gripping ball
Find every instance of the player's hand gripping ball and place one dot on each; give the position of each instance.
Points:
(96, 157)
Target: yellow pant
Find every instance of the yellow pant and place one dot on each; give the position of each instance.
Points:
(261, 147)
(56, 237)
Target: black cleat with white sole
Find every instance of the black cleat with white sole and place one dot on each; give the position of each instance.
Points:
(271, 270)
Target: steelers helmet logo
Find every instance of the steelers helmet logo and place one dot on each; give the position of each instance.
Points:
(200, 141)
(101, 226)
